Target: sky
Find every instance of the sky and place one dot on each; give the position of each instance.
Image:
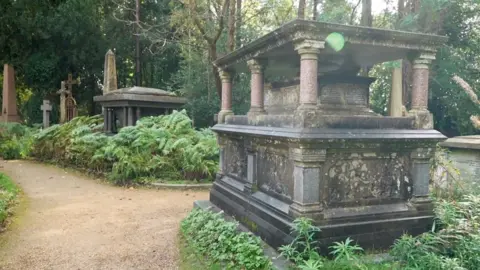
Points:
(377, 5)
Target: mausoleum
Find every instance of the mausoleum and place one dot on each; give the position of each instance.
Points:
(311, 147)
(123, 107)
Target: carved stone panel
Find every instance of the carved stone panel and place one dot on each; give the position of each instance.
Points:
(355, 177)
(275, 173)
(235, 159)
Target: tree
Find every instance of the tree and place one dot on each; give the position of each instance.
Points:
(301, 9)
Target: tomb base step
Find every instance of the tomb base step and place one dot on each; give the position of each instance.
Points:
(273, 225)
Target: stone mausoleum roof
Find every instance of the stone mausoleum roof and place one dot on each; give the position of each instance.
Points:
(364, 46)
(138, 94)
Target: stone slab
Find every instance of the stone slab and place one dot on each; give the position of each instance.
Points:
(465, 142)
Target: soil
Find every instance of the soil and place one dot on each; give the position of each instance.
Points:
(73, 222)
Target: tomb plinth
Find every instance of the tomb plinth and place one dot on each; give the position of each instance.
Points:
(313, 148)
(464, 152)
(123, 107)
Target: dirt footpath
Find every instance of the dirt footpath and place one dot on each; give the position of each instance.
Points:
(72, 222)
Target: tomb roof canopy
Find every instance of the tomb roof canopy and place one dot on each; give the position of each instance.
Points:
(364, 46)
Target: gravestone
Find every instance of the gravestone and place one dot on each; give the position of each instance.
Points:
(68, 105)
(63, 98)
(311, 146)
(46, 109)
(9, 100)
(110, 73)
(464, 152)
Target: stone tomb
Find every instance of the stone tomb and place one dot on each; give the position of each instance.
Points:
(123, 107)
(311, 147)
(464, 152)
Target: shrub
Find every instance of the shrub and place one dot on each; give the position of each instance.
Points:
(15, 140)
(165, 147)
(8, 194)
(210, 235)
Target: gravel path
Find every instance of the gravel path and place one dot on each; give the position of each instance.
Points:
(73, 222)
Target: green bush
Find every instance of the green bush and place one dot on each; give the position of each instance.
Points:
(8, 194)
(165, 147)
(16, 140)
(218, 240)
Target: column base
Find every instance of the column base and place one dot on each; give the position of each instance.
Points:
(313, 211)
(255, 112)
(305, 117)
(423, 119)
(422, 204)
(222, 116)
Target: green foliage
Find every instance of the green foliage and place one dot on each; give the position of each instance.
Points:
(211, 236)
(303, 248)
(8, 194)
(15, 140)
(165, 147)
(455, 245)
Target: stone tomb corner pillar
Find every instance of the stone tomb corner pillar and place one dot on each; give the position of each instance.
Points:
(423, 118)
(307, 177)
(421, 177)
(226, 108)
(309, 51)
(257, 88)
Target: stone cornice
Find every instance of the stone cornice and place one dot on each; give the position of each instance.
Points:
(298, 30)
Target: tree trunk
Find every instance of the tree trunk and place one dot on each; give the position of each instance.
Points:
(212, 52)
(315, 10)
(367, 19)
(301, 9)
(238, 25)
(231, 27)
(401, 9)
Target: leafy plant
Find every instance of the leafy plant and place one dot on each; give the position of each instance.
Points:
(345, 250)
(210, 235)
(304, 246)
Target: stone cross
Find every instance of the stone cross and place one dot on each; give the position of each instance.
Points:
(46, 108)
(63, 106)
(9, 101)
(110, 73)
(70, 82)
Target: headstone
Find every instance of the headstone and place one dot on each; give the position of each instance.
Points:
(9, 101)
(46, 108)
(63, 107)
(110, 73)
(70, 108)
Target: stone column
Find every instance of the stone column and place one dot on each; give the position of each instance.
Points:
(226, 108)
(308, 179)
(396, 101)
(105, 119)
(251, 168)
(423, 118)
(421, 177)
(138, 113)
(130, 117)
(257, 88)
(309, 51)
(125, 116)
(109, 120)
(221, 146)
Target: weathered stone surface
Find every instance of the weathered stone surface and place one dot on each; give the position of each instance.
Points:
(110, 73)
(46, 109)
(464, 152)
(9, 99)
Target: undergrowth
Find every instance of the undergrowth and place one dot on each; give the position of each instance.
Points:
(8, 195)
(161, 147)
(219, 241)
(16, 140)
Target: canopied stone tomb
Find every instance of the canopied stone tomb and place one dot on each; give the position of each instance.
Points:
(123, 107)
(311, 147)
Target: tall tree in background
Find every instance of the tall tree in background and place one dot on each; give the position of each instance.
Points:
(367, 18)
(301, 9)
(315, 9)
(231, 26)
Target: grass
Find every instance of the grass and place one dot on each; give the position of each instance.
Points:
(8, 196)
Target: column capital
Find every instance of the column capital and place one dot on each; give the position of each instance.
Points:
(256, 65)
(423, 60)
(225, 75)
(309, 46)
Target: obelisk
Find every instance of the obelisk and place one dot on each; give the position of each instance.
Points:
(9, 100)
(110, 73)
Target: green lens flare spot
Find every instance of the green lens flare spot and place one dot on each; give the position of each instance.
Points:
(336, 41)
